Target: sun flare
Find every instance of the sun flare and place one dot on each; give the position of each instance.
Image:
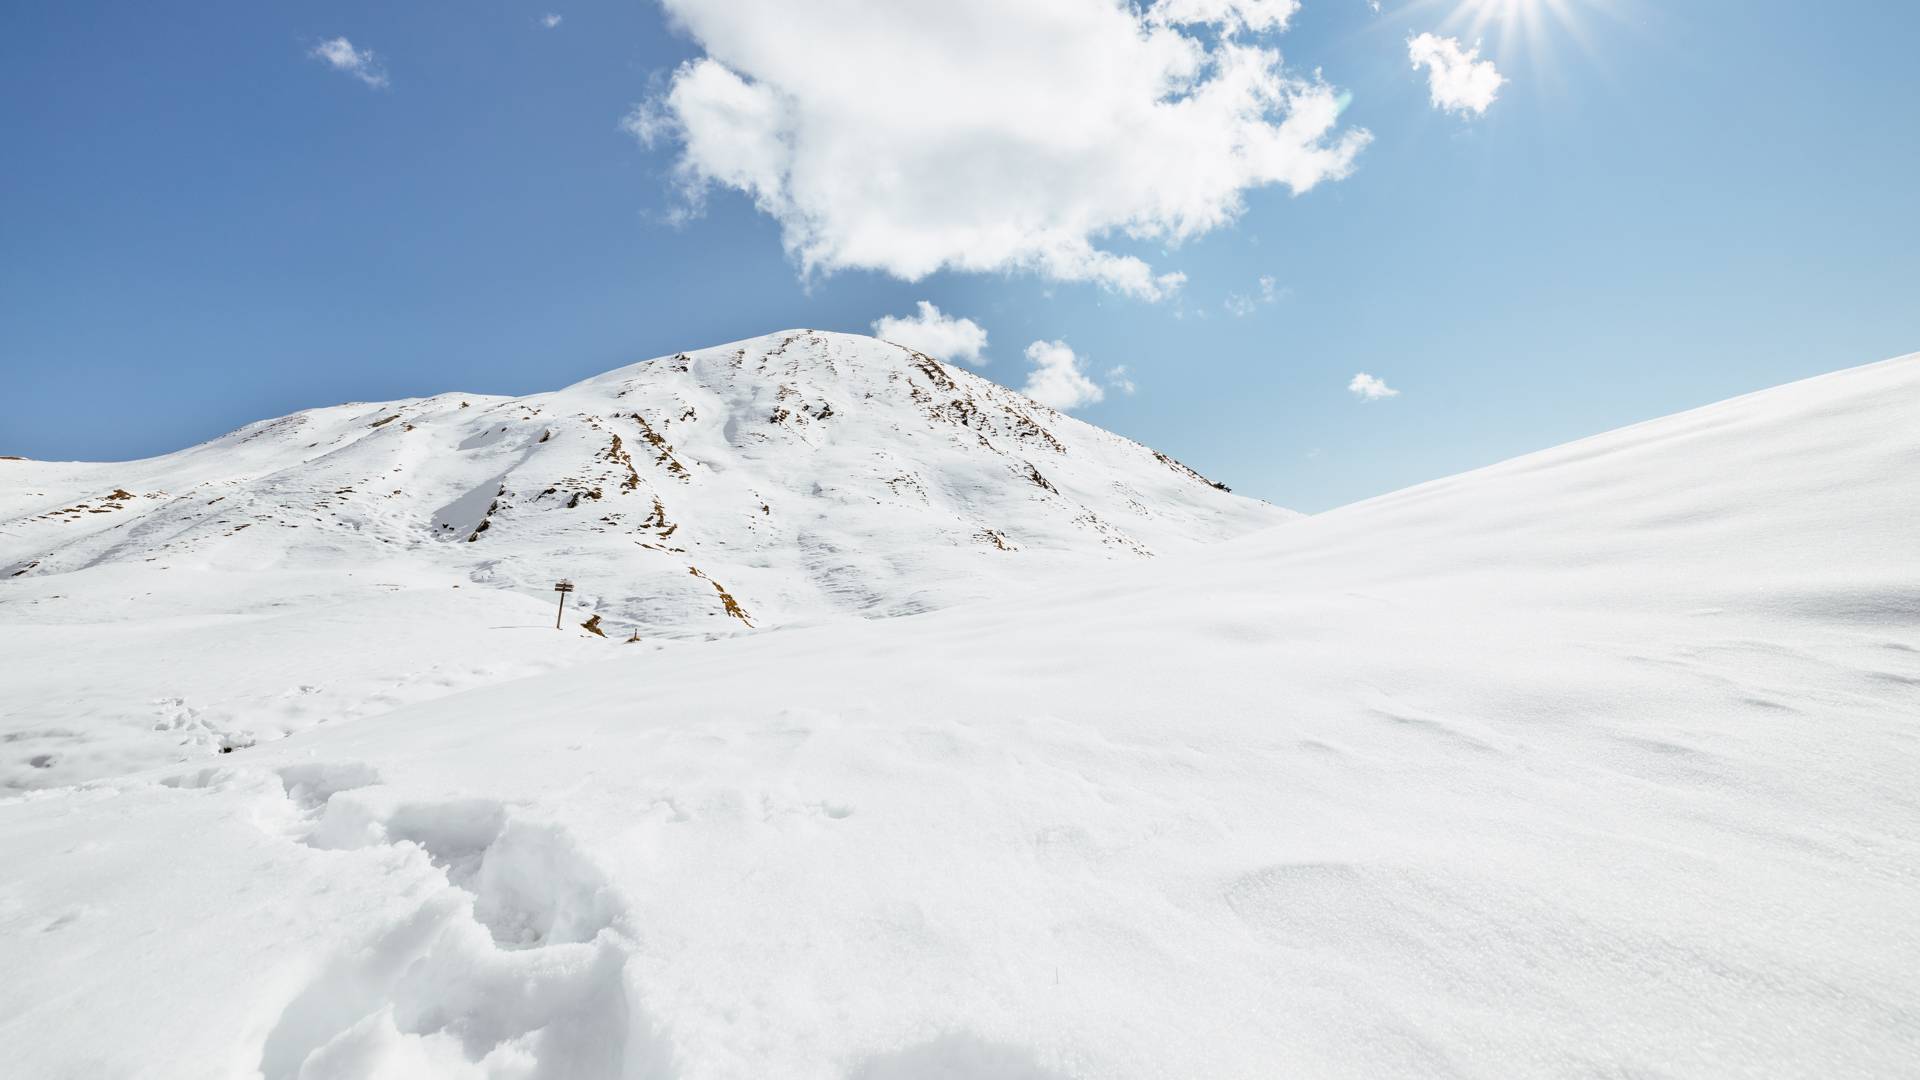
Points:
(1513, 29)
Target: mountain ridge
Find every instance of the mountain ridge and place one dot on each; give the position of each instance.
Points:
(787, 479)
(639, 449)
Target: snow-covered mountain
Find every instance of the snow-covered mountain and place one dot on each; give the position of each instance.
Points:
(803, 473)
(1598, 762)
(791, 478)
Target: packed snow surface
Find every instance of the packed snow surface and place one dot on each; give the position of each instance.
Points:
(1600, 762)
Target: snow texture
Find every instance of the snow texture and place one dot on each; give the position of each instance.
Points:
(1601, 761)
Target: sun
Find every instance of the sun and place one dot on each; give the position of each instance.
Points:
(1505, 16)
(1533, 28)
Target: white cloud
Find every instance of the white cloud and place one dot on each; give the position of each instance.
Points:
(1059, 378)
(947, 337)
(992, 136)
(550, 20)
(649, 122)
(1118, 379)
(1368, 388)
(1239, 304)
(1457, 79)
(340, 54)
(1256, 15)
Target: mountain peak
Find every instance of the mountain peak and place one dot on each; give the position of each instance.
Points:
(792, 476)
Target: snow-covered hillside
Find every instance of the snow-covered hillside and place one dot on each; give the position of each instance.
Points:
(792, 478)
(1601, 762)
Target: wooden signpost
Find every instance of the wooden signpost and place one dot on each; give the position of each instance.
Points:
(563, 588)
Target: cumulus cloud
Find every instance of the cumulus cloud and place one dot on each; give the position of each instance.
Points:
(1256, 15)
(1118, 379)
(992, 136)
(1457, 79)
(948, 337)
(550, 20)
(1367, 388)
(339, 54)
(1059, 378)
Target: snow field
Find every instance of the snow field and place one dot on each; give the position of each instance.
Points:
(1597, 762)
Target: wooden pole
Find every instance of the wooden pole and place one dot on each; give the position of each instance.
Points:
(563, 588)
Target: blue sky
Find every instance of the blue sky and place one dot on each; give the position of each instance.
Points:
(203, 222)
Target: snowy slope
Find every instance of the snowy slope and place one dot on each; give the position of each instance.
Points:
(1599, 762)
(793, 478)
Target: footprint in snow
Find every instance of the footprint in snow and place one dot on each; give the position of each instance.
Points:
(521, 964)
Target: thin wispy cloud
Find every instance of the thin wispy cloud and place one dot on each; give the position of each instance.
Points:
(1457, 79)
(1368, 388)
(1059, 378)
(550, 20)
(339, 54)
(649, 122)
(1242, 304)
(1010, 137)
(948, 337)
